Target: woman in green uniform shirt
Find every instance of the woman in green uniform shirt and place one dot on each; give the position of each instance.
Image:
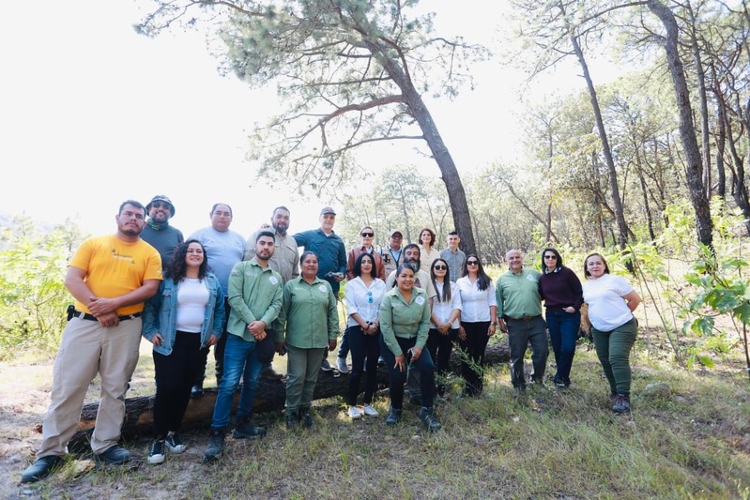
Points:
(405, 323)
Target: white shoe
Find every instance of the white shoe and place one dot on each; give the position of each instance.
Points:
(370, 411)
(354, 413)
(341, 365)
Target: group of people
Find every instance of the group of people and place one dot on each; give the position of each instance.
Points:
(408, 306)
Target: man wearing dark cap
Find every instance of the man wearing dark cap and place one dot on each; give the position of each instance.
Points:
(392, 254)
(158, 233)
(331, 253)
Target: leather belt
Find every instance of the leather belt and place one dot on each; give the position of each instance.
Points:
(527, 318)
(91, 317)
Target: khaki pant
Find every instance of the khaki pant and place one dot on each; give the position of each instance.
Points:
(88, 349)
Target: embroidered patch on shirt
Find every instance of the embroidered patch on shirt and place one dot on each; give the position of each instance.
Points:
(322, 288)
(420, 300)
(531, 277)
(273, 280)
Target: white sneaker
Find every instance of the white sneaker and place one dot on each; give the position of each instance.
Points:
(354, 413)
(341, 365)
(370, 411)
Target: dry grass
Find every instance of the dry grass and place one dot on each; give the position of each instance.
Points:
(547, 444)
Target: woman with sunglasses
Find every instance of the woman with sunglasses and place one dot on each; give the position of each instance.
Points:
(561, 291)
(365, 247)
(362, 297)
(444, 322)
(478, 322)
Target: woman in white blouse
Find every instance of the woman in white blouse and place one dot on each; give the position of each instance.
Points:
(444, 321)
(478, 322)
(362, 297)
(427, 251)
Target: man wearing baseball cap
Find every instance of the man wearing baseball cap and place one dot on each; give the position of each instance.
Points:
(392, 254)
(158, 233)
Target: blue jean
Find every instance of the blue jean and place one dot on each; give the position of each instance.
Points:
(423, 364)
(240, 360)
(563, 332)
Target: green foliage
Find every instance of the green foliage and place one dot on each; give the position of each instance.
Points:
(33, 296)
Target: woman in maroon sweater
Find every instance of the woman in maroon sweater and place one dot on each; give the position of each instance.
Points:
(561, 291)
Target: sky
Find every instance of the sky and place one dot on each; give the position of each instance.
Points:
(92, 113)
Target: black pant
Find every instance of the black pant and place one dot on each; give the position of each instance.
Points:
(440, 347)
(472, 362)
(363, 346)
(174, 377)
(423, 364)
(218, 352)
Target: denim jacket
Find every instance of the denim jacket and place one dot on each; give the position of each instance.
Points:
(160, 314)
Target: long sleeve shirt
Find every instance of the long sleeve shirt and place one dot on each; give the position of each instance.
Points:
(363, 300)
(330, 250)
(443, 310)
(285, 258)
(518, 294)
(255, 294)
(561, 288)
(476, 303)
(405, 320)
(310, 315)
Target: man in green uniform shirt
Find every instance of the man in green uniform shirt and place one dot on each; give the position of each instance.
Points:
(519, 307)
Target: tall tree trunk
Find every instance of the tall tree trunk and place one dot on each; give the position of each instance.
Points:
(721, 137)
(698, 197)
(622, 228)
(703, 98)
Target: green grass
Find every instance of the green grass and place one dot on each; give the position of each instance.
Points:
(694, 443)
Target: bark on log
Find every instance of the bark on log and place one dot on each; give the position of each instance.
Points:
(269, 397)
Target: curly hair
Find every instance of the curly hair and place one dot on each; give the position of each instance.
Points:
(176, 268)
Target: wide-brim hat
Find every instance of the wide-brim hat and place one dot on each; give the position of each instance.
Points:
(161, 197)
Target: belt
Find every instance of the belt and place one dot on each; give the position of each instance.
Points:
(91, 317)
(527, 318)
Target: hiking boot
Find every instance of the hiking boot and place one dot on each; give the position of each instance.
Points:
(622, 404)
(40, 469)
(215, 446)
(612, 398)
(291, 419)
(394, 416)
(306, 417)
(428, 418)
(114, 455)
(341, 365)
(174, 444)
(245, 430)
(157, 455)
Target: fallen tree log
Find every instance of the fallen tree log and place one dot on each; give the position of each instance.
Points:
(269, 397)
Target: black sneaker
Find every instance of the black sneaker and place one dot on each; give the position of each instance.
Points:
(157, 454)
(114, 455)
(622, 404)
(427, 416)
(40, 469)
(247, 431)
(215, 446)
(394, 416)
(197, 390)
(174, 444)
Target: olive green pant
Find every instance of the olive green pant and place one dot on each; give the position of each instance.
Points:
(613, 349)
(302, 369)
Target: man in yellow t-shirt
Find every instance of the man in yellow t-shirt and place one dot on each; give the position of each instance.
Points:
(110, 278)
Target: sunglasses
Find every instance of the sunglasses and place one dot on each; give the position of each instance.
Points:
(440, 267)
(367, 235)
(160, 204)
(550, 257)
(472, 262)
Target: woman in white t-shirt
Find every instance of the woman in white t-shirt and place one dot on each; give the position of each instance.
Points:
(612, 300)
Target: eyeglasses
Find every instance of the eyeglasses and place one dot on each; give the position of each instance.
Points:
(472, 262)
(367, 235)
(551, 257)
(160, 204)
(440, 267)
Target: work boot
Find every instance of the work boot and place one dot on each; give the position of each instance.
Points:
(215, 446)
(622, 404)
(428, 418)
(292, 418)
(245, 430)
(394, 416)
(40, 469)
